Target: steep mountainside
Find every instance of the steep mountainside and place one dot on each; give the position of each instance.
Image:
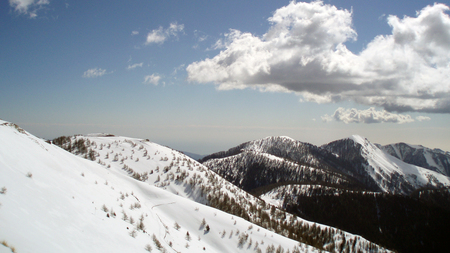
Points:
(349, 183)
(417, 223)
(353, 163)
(275, 160)
(287, 148)
(390, 174)
(252, 170)
(53, 201)
(432, 159)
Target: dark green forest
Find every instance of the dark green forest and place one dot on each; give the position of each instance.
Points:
(416, 223)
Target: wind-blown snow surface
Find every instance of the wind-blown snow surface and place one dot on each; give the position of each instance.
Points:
(381, 167)
(53, 201)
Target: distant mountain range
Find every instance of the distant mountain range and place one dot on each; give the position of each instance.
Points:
(353, 162)
(193, 156)
(368, 189)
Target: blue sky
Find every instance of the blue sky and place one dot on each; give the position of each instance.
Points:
(203, 76)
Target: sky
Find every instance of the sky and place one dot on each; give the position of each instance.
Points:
(204, 76)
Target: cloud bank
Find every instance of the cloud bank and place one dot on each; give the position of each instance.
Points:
(368, 116)
(29, 7)
(303, 52)
(160, 35)
(422, 118)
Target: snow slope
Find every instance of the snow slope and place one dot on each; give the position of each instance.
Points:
(382, 167)
(433, 159)
(173, 171)
(53, 201)
(156, 164)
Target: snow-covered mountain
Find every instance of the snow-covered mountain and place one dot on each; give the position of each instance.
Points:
(367, 189)
(432, 159)
(352, 163)
(135, 195)
(389, 173)
(53, 201)
(251, 170)
(275, 160)
(284, 147)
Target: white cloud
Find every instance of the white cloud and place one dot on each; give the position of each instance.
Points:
(134, 33)
(304, 52)
(95, 72)
(135, 65)
(422, 118)
(174, 28)
(160, 35)
(156, 36)
(368, 116)
(152, 79)
(29, 7)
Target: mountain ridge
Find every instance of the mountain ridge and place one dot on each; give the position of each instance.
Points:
(388, 172)
(53, 201)
(432, 159)
(135, 157)
(157, 170)
(392, 188)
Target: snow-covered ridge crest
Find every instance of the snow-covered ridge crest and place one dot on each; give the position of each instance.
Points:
(175, 172)
(74, 200)
(263, 144)
(280, 146)
(382, 167)
(54, 201)
(432, 159)
(16, 127)
(100, 135)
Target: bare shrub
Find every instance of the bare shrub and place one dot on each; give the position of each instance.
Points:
(157, 242)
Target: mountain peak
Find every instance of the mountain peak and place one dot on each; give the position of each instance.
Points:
(358, 139)
(390, 173)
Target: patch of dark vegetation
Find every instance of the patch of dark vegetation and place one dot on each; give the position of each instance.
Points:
(416, 223)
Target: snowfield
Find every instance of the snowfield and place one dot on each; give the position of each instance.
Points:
(54, 201)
